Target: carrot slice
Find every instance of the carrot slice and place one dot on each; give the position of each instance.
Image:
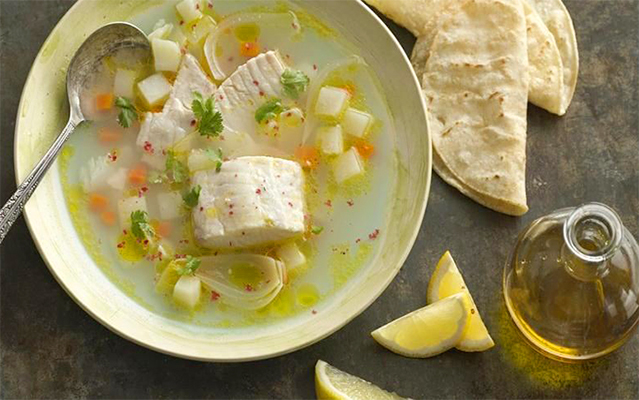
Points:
(365, 149)
(104, 101)
(98, 202)
(249, 49)
(308, 156)
(108, 218)
(163, 228)
(137, 175)
(109, 135)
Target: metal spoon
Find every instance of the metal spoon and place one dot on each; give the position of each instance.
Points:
(84, 64)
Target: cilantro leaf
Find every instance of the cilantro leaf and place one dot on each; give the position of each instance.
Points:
(190, 266)
(209, 120)
(128, 113)
(316, 230)
(140, 226)
(216, 157)
(269, 110)
(175, 169)
(294, 82)
(192, 196)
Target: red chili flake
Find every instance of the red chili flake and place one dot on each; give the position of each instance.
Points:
(120, 245)
(181, 22)
(182, 50)
(261, 93)
(146, 241)
(144, 189)
(256, 83)
(193, 122)
(358, 240)
(373, 236)
(328, 203)
(201, 208)
(197, 6)
(230, 205)
(148, 147)
(230, 59)
(243, 233)
(290, 204)
(230, 244)
(350, 203)
(124, 231)
(214, 295)
(221, 97)
(258, 190)
(112, 156)
(315, 67)
(210, 5)
(163, 152)
(313, 312)
(287, 56)
(230, 212)
(248, 288)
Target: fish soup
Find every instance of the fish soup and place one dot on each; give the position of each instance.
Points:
(243, 174)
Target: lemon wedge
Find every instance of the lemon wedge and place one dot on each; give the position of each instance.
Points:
(428, 331)
(331, 383)
(447, 281)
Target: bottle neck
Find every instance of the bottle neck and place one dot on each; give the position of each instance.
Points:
(592, 235)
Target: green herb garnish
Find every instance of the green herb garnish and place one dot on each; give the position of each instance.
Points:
(190, 266)
(192, 196)
(269, 110)
(128, 113)
(216, 157)
(140, 226)
(209, 120)
(316, 230)
(175, 169)
(294, 82)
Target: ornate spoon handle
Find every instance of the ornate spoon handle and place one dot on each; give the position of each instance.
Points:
(12, 209)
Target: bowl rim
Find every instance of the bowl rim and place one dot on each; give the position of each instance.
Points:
(38, 235)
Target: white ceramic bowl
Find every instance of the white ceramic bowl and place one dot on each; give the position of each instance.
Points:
(43, 112)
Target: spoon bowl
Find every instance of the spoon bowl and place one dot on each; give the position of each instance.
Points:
(85, 62)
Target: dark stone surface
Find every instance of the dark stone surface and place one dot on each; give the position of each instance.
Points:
(51, 348)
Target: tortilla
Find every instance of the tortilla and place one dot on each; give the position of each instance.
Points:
(545, 64)
(476, 87)
(557, 19)
(418, 16)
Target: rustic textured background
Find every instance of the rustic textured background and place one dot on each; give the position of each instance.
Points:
(51, 348)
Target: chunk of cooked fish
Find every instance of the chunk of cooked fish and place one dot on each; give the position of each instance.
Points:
(252, 201)
(248, 88)
(161, 130)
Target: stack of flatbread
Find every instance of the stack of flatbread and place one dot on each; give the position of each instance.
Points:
(479, 63)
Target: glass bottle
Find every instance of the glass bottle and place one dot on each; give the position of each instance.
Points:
(571, 284)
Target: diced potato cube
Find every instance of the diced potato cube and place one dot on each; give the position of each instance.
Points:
(189, 10)
(117, 180)
(155, 89)
(331, 139)
(127, 206)
(166, 55)
(291, 255)
(161, 30)
(187, 291)
(356, 122)
(124, 82)
(169, 205)
(347, 165)
(331, 101)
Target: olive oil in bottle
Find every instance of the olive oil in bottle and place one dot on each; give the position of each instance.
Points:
(571, 284)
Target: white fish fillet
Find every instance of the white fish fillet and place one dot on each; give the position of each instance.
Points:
(175, 121)
(252, 201)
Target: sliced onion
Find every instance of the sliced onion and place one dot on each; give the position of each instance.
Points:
(219, 72)
(313, 91)
(216, 273)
